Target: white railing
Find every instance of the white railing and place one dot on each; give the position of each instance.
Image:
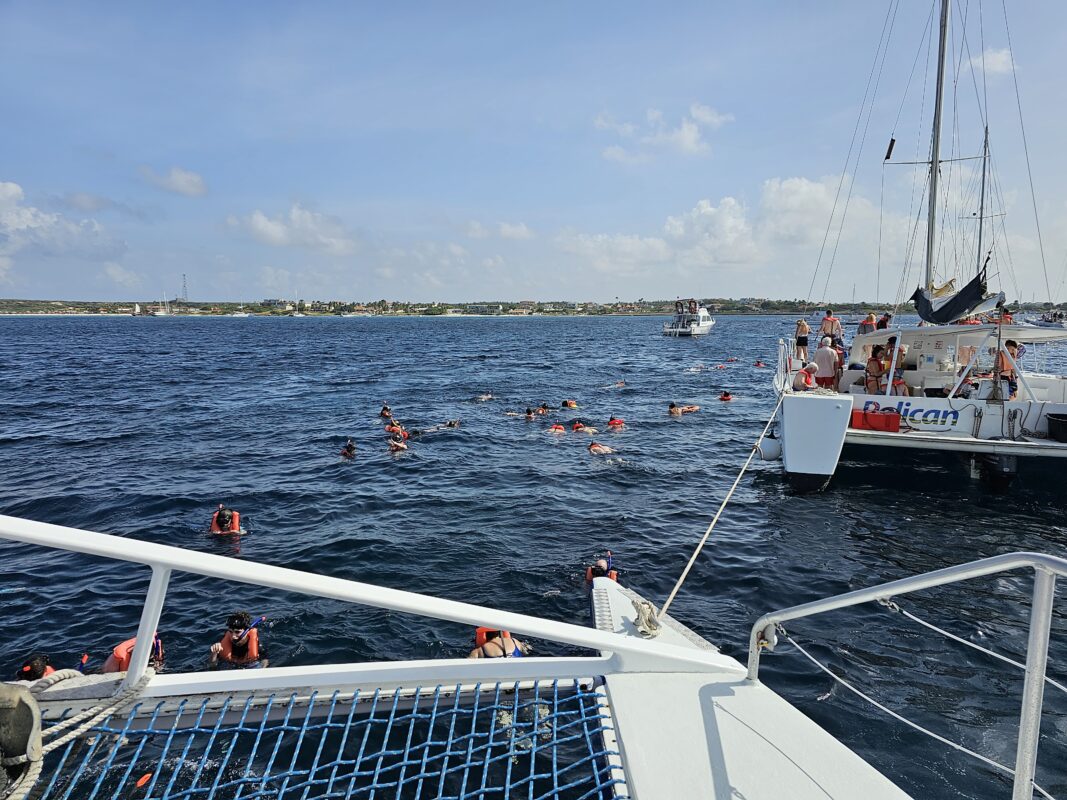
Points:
(1046, 568)
(621, 653)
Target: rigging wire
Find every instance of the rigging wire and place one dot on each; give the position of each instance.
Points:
(859, 154)
(913, 725)
(848, 158)
(1026, 150)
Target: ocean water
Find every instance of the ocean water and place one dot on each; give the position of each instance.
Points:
(139, 427)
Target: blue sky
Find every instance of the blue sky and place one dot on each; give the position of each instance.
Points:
(475, 151)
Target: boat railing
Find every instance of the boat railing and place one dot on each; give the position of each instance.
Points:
(620, 653)
(1045, 568)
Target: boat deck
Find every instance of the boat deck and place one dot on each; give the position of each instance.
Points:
(957, 442)
(718, 735)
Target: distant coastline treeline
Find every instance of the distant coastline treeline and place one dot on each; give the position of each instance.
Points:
(282, 307)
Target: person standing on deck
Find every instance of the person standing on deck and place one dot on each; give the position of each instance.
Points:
(801, 338)
(831, 326)
(827, 360)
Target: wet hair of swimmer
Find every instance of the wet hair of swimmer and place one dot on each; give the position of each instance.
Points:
(33, 668)
(672, 405)
(452, 423)
(224, 517)
(490, 635)
(239, 621)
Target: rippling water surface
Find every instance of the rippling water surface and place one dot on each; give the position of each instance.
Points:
(140, 427)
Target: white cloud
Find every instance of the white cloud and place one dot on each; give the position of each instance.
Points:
(5, 268)
(276, 281)
(713, 234)
(298, 228)
(27, 230)
(996, 62)
(604, 122)
(475, 230)
(178, 180)
(456, 251)
(516, 230)
(616, 253)
(686, 138)
(657, 135)
(492, 262)
(121, 276)
(708, 116)
(622, 155)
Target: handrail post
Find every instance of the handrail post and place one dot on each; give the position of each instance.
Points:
(146, 629)
(1034, 685)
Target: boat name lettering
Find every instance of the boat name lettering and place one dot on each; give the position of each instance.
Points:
(917, 415)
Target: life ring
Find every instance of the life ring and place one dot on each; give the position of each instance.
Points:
(692, 306)
(678, 307)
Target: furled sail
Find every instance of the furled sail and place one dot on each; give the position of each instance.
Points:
(971, 299)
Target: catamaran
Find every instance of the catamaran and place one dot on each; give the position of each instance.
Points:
(955, 384)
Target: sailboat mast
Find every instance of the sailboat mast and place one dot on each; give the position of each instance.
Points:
(935, 149)
(981, 196)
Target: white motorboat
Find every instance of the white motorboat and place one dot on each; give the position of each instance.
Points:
(656, 713)
(1050, 319)
(690, 319)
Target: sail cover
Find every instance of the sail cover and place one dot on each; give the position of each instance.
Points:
(971, 299)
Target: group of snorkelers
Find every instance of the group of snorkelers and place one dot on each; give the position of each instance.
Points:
(240, 647)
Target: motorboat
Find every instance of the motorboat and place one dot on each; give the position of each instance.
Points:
(647, 708)
(690, 319)
(1050, 319)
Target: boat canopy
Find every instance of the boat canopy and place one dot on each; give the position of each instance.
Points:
(966, 335)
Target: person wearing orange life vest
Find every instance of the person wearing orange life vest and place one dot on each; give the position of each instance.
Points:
(1004, 370)
(804, 381)
(37, 666)
(240, 646)
(831, 326)
(225, 520)
(119, 658)
(614, 422)
(602, 568)
(493, 643)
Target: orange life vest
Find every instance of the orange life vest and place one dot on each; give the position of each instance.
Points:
(235, 523)
(480, 635)
(121, 654)
(612, 575)
(253, 648)
(615, 422)
(807, 377)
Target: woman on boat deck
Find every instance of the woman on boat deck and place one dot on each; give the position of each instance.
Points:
(801, 337)
(874, 373)
(240, 646)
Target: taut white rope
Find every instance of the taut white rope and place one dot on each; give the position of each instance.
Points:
(715, 519)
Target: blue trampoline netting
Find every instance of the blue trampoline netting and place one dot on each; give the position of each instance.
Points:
(489, 741)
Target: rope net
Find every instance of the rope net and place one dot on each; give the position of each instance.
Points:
(488, 741)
